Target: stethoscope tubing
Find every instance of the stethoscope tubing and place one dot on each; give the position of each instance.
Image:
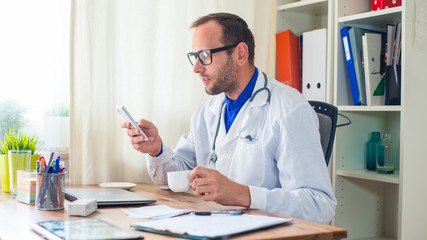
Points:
(213, 157)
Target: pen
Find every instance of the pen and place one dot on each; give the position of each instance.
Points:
(219, 212)
(49, 168)
(61, 167)
(57, 168)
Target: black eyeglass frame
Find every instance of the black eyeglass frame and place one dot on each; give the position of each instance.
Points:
(211, 51)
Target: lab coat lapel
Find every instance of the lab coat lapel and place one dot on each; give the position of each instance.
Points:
(216, 109)
(253, 108)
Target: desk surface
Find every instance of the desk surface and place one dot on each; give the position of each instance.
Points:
(15, 216)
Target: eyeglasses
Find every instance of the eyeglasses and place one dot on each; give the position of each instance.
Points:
(205, 56)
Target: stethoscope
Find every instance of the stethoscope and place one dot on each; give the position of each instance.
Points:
(213, 157)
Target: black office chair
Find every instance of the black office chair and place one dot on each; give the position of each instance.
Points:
(328, 117)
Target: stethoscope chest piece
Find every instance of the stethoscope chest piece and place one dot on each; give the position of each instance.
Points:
(212, 157)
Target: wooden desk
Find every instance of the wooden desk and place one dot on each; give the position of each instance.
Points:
(15, 216)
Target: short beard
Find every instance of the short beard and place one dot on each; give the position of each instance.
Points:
(226, 80)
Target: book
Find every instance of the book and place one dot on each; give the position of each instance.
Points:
(351, 72)
(390, 32)
(371, 43)
(397, 45)
(314, 65)
(287, 56)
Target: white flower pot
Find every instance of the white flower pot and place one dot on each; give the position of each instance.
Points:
(57, 133)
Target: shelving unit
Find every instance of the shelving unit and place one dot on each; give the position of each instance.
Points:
(362, 194)
(368, 202)
(308, 15)
(373, 206)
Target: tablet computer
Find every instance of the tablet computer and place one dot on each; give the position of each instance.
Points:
(87, 228)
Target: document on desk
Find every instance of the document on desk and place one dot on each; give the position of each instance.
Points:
(155, 212)
(214, 226)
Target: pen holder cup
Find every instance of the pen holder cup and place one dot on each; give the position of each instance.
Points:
(49, 191)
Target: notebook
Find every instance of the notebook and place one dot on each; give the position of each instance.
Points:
(108, 196)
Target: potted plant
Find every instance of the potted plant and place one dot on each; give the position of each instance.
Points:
(56, 124)
(4, 167)
(16, 141)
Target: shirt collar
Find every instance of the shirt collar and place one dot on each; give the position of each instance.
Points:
(244, 96)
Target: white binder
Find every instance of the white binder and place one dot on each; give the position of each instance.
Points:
(314, 65)
(371, 43)
(355, 35)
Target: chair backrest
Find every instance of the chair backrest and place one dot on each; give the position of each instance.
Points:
(328, 115)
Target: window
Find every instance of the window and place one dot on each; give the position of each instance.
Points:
(34, 69)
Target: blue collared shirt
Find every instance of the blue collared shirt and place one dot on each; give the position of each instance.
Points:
(232, 108)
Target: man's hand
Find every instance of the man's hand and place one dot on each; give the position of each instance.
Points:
(154, 143)
(214, 186)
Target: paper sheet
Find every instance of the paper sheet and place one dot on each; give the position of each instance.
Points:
(216, 225)
(155, 212)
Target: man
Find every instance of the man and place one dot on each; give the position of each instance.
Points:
(257, 145)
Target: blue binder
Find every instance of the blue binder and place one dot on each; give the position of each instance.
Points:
(355, 91)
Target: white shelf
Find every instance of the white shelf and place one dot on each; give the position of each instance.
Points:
(370, 108)
(377, 238)
(381, 17)
(319, 7)
(370, 175)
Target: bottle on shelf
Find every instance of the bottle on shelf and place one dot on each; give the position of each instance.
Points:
(384, 159)
(371, 151)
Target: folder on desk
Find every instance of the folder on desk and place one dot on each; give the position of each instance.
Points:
(215, 226)
(314, 65)
(287, 56)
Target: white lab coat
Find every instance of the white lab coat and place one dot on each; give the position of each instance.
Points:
(284, 166)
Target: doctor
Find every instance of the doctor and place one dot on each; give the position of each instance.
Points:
(255, 143)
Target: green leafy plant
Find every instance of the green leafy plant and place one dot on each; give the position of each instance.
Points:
(19, 141)
(58, 110)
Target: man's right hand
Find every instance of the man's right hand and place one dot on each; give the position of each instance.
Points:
(153, 145)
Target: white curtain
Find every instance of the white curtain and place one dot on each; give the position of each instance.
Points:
(133, 53)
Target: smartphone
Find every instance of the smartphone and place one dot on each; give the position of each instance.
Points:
(126, 116)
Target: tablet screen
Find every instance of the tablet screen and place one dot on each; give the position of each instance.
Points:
(89, 228)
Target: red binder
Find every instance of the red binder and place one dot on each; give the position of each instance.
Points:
(287, 57)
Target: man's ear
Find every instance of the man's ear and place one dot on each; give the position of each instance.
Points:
(242, 53)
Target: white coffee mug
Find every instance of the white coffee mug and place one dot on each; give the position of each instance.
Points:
(179, 181)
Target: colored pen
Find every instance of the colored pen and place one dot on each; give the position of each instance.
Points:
(49, 168)
(57, 169)
(61, 167)
(219, 212)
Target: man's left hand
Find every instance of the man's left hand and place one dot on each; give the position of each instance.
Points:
(214, 186)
